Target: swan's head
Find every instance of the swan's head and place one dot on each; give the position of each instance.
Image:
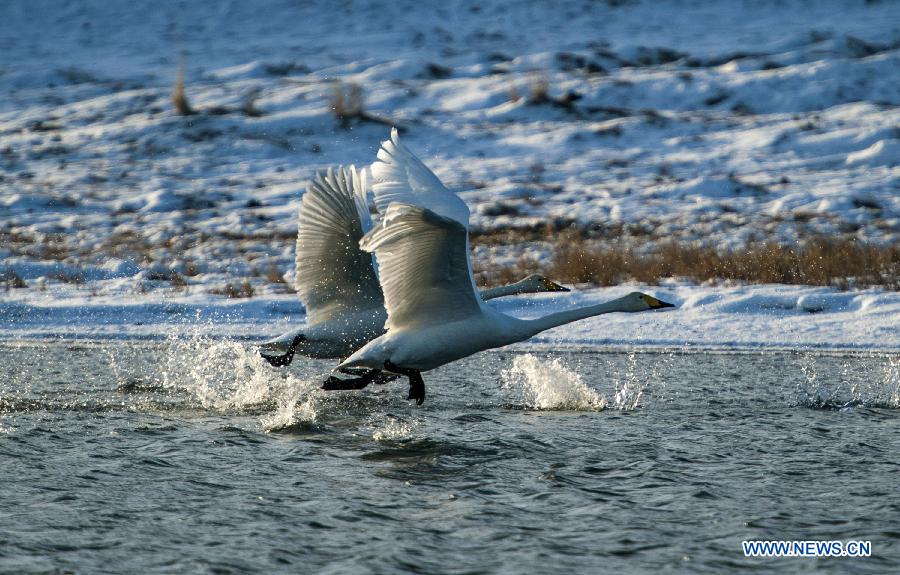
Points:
(536, 283)
(637, 301)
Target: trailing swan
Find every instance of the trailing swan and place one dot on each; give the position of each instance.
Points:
(336, 280)
(434, 313)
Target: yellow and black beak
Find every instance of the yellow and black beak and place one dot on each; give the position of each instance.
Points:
(551, 285)
(656, 303)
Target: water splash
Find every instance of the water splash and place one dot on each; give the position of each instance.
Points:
(878, 388)
(298, 405)
(227, 375)
(883, 391)
(549, 384)
(813, 393)
(114, 366)
(394, 429)
(630, 389)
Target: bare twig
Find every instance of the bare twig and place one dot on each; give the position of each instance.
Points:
(179, 99)
(348, 105)
(249, 107)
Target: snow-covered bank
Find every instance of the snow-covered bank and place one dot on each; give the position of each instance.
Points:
(740, 317)
(710, 121)
(702, 121)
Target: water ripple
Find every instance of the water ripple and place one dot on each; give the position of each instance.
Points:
(187, 456)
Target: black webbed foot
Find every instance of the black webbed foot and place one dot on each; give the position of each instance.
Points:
(285, 358)
(383, 378)
(417, 391)
(416, 383)
(278, 360)
(335, 383)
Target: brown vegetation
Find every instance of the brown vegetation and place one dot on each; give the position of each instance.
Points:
(273, 274)
(841, 263)
(538, 90)
(12, 280)
(179, 98)
(235, 291)
(249, 106)
(348, 106)
(76, 277)
(177, 280)
(539, 94)
(346, 103)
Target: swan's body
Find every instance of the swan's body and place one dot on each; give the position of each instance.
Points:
(436, 318)
(439, 343)
(336, 280)
(341, 336)
(435, 314)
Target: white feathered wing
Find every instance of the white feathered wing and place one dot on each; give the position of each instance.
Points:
(334, 277)
(399, 176)
(425, 271)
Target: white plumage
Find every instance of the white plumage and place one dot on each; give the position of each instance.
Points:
(334, 277)
(399, 176)
(336, 280)
(435, 314)
(417, 285)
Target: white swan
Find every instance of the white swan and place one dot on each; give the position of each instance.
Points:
(336, 280)
(435, 315)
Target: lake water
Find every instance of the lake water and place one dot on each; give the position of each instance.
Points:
(195, 456)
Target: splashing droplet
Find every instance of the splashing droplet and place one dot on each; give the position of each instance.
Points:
(630, 390)
(549, 384)
(297, 404)
(393, 430)
(848, 388)
(227, 375)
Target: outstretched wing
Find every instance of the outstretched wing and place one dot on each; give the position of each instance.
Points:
(424, 263)
(335, 277)
(399, 176)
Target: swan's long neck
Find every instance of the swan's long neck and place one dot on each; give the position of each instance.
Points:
(503, 291)
(536, 326)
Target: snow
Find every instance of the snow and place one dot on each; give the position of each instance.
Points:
(707, 317)
(713, 121)
(881, 153)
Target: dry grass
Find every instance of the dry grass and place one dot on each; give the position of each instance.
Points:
(273, 274)
(538, 94)
(538, 90)
(127, 245)
(346, 103)
(841, 263)
(179, 98)
(248, 108)
(821, 261)
(487, 274)
(12, 280)
(178, 282)
(190, 268)
(75, 278)
(235, 291)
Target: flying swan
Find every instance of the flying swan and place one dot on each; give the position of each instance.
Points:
(336, 281)
(434, 313)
